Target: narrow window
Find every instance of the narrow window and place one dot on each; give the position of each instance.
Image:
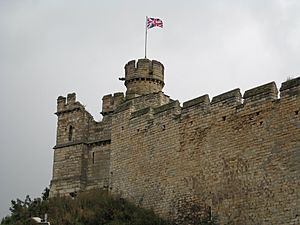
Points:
(71, 130)
(93, 157)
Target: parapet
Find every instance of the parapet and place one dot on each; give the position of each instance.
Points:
(233, 97)
(68, 104)
(264, 92)
(61, 103)
(173, 106)
(202, 100)
(111, 102)
(252, 97)
(71, 98)
(144, 77)
(144, 68)
(290, 88)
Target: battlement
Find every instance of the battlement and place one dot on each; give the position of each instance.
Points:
(264, 92)
(143, 77)
(144, 68)
(173, 106)
(111, 102)
(233, 97)
(290, 88)
(231, 101)
(256, 95)
(67, 104)
(202, 100)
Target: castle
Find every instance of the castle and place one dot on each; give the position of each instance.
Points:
(237, 157)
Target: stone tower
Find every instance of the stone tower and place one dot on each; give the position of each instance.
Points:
(69, 173)
(142, 78)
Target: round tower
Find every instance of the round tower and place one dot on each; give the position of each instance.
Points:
(144, 77)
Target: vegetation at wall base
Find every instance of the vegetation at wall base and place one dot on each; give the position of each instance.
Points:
(95, 207)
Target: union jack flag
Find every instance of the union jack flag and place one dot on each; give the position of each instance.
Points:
(154, 22)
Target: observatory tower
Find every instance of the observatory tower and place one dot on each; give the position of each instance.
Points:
(144, 77)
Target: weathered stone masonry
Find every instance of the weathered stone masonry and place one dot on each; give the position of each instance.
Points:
(237, 157)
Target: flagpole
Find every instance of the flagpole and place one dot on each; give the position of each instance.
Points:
(146, 34)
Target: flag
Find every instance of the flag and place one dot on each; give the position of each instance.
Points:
(154, 22)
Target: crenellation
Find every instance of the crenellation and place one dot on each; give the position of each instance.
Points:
(158, 70)
(130, 67)
(235, 158)
(118, 99)
(173, 106)
(107, 104)
(70, 105)
(144, 65)
(232, 98)
(71, 98)
(111, 102)
(291, 83)
(290, 88)
(262, 93)
(61, 103)
(200, 101)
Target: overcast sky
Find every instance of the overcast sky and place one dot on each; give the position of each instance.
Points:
(51, 48)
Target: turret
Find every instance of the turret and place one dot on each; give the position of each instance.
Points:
(72, 120)
(70, 151)
(144, 77)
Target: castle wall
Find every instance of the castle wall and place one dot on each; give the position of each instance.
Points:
(246, 157)
(237, 157)
(98, 154)
(232, 157)
(141, 159)
(68, 175)
(98, 166)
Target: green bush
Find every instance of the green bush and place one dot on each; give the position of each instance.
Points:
(88, 208)
(95, 207)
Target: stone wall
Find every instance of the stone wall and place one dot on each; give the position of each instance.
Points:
(145, 143)
(98, 166)
(236, 157)
(245, 156)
